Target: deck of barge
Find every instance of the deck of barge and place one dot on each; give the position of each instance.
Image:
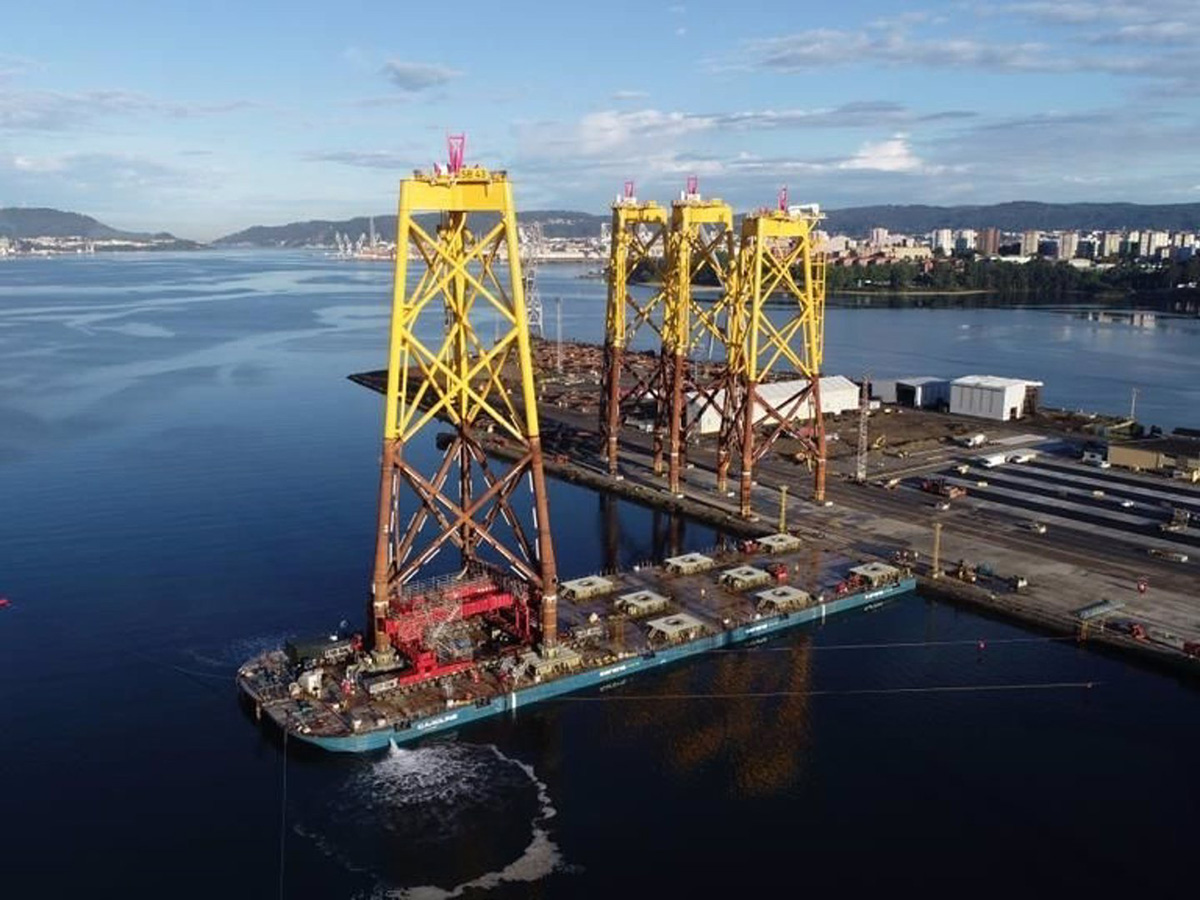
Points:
(595, 633)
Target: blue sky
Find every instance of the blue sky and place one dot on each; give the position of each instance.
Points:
(204, 118)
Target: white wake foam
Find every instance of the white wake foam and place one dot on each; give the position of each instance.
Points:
(540, 858)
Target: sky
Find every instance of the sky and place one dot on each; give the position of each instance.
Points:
(206, 118)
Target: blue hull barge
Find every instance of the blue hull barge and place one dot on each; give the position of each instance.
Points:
(332, 694)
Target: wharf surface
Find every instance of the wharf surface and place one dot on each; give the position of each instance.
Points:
(1075, 564)
(1079, 561)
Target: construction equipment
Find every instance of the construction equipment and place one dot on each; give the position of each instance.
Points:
(942, 488)
(1180, 519)
(965, 572)
(533, 247)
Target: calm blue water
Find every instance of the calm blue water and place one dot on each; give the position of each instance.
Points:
(186, 477)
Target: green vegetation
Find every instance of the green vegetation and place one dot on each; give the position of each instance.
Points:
(1017, 216)
(1043, 278)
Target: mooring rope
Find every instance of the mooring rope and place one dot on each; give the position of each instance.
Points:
(981, 643)
(850, 692)
(283, 814)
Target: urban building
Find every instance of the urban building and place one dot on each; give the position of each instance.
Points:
(1153, 242)
(1029, 243)
(943, 240)
(988, 243)
(1068, 245)
(965, 240)
(1110, 244)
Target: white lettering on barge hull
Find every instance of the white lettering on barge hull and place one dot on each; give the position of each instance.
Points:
(433, 723)
(615, 670)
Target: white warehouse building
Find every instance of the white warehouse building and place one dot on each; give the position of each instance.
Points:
(838, 395)
(993, 397)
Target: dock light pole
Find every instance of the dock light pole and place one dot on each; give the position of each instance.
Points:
(558, 335)
(935, 565)
(783, 509)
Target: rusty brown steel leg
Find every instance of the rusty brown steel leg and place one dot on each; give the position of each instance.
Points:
(465, 490)
(747, 423)
(818, 442)
(662, 414)
(675, 431)
(548, 594)
(614, 358)
(378, 605)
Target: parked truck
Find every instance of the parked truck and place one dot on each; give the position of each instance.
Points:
(972, 440)
(942, 488)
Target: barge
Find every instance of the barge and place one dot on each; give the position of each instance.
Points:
(329, 693)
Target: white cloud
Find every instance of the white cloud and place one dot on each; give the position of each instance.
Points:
(36, 163)
(1171, 32)
(630, 95)
(600, 132)
(892, 155)
(96, 170)
(901, 46)
(418, 76)
(367, 159)
(32, 110)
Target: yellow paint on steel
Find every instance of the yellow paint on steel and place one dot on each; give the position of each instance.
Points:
(776, 258)
(460, 376)
(638, 237)
(701, 238)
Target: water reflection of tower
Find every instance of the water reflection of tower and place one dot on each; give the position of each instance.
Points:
(667, 534)
(761, 739)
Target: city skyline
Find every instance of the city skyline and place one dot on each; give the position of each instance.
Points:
(149, 117)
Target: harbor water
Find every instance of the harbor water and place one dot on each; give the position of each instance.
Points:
(187, 477)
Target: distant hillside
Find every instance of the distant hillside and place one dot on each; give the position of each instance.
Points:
(858, 220)
(1019, 216)
(22, 222)
(556, 223)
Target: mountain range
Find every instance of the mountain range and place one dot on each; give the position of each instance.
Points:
(556, 223)
(857, 221)
(34, 222)
(21, 222)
